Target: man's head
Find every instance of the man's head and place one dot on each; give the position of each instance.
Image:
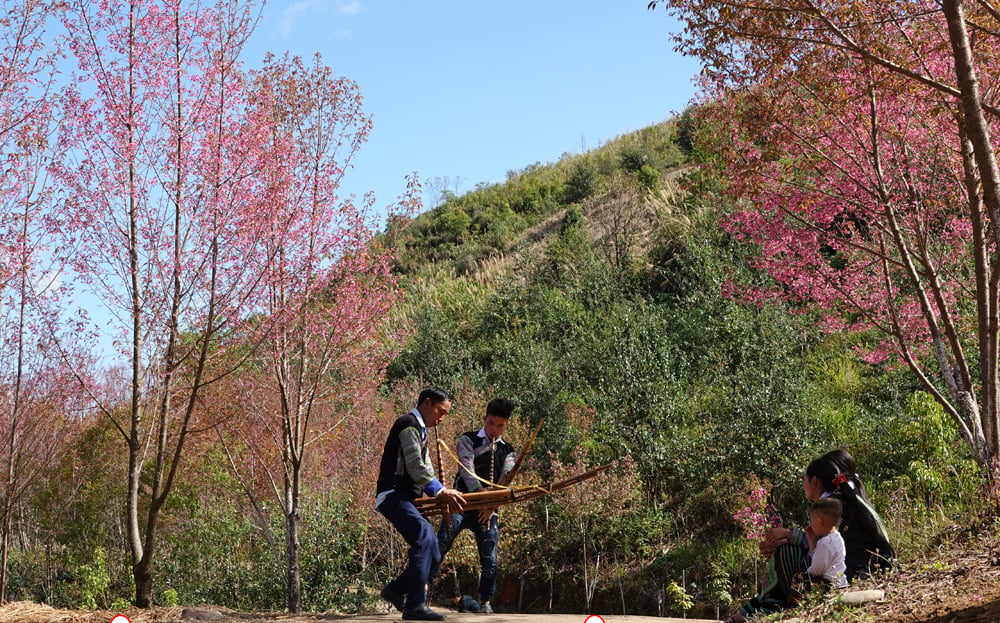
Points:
(433, 404)
(497, 415)
(825, 515)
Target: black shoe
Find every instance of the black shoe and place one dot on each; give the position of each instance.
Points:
(393, 598)
(422, 613)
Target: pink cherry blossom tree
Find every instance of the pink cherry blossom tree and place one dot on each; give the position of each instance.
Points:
(167, 219)
(859, 136)
(329, 290)
(34, 388)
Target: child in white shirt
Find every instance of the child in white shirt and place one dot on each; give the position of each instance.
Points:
(826, 545)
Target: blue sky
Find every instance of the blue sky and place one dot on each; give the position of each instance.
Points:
(468, 90)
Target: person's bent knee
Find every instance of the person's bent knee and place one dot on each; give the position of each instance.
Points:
(428, 542)
(435, 556)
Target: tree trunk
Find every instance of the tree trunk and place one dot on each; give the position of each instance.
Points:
(985, 156)
(586, 576)
(293, 584)
(987, 273)
(141, 561)
(5, 550)
(142, 573)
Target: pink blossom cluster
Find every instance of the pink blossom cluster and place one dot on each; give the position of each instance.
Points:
(859, 194)
(758, 515)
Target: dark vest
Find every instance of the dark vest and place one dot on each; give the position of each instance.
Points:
(482, 460)
(392, 460)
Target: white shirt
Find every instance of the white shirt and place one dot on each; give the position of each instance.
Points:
(483, 435)
(828, 559)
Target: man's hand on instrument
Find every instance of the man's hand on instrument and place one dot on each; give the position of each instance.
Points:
(452, 498)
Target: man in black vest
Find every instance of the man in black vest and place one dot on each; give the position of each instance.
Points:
(405, 472)
(485, 458)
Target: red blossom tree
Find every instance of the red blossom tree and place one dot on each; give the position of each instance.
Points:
(859, 137)
(329, 292)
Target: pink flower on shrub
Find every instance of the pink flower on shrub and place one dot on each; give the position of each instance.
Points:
(758, 515)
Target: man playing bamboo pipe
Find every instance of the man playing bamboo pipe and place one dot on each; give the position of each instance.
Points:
(405, 472)
(483, 454)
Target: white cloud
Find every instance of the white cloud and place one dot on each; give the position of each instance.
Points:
(293, 15)
(350, 8)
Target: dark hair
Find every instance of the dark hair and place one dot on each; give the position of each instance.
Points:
(826, 470)
(845, 462)
(857, 513)
(500, 407)
(828, 508)
(434, 394)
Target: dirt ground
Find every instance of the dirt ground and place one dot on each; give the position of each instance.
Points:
(957, 582)
(23, 612)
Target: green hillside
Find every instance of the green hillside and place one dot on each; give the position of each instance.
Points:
(591, 290)
(465, 232)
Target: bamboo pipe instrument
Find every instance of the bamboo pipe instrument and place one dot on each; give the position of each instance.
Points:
(516, 493)
(492, 495)
(562, 484)
(444, 509)
(500, 497)
(506, 480)
(509, 476)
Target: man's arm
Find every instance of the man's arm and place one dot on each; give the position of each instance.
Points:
(508, 464)
(418, 468)
(422, 472)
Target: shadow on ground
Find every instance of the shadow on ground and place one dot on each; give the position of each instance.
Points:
(986, 613)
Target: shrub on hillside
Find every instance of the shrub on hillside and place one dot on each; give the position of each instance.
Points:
(581, 183)
(634, 157)
(648, 177)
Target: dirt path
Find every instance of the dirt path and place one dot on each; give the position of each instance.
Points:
(26, 612)
(468, 617)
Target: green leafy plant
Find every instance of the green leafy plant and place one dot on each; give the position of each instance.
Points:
(677, 599)
(171, 598)
(581, 183)
(94, 581)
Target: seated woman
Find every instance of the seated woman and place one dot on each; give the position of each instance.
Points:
(865, 537)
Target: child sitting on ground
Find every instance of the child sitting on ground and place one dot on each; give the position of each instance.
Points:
(826, 545)
(466, 603)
